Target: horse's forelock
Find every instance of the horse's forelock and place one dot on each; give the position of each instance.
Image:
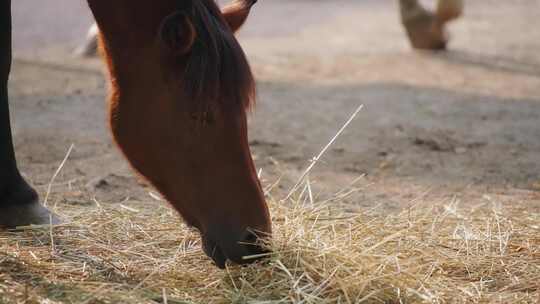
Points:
(217, 69)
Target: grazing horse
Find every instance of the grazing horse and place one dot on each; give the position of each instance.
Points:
(425, 29)
(180, 87)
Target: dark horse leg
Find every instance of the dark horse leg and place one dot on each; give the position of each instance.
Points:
(19, 203)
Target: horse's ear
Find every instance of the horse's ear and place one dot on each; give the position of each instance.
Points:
(177, 33)
(236, 13)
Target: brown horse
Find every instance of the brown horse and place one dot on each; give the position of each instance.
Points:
(180, 87)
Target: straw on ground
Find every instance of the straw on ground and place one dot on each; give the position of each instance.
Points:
(110, 254)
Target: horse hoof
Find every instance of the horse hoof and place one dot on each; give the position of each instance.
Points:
(425, 29)
(90, 46)
(87, 50)
(427, 35)
(22, 208)
(27, 214)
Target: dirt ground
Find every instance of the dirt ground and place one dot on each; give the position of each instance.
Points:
(463, 125)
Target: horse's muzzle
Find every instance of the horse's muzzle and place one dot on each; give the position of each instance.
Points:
(243, 251)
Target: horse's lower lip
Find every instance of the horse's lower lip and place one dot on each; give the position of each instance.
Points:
(219, 258)
(214, 252)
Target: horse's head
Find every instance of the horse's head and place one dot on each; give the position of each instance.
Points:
(181, 86)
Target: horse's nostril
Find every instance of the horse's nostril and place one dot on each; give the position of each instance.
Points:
(247, 249)
(249, 239)
(252, 248)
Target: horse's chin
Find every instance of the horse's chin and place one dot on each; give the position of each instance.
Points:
(213, 251)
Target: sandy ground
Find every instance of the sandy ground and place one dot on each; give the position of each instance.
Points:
(463, 124)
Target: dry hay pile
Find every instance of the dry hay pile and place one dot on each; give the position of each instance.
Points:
(143, 254)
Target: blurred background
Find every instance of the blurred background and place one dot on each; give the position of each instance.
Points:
(464, 122)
